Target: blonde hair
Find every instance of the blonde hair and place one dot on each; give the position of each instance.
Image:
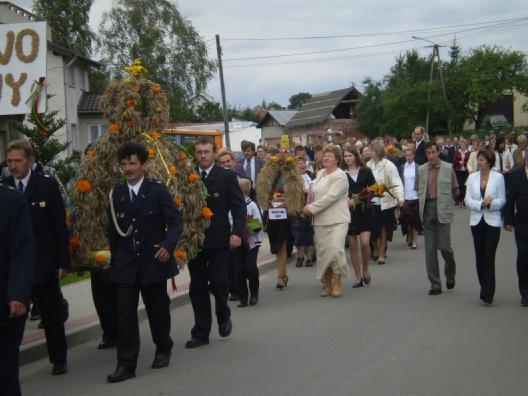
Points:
(336, 150)
(22, 145)
(225, 151)
(245, 186)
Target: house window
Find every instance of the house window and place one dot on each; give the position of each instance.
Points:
(94, 133)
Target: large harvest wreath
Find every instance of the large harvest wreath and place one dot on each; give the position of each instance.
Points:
(137, 111)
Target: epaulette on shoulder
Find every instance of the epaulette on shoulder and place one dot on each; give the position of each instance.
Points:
(7, 187)
(155, 181)
(46, 175)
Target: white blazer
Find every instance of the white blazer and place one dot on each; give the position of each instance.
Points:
(330, 204)
(495, 190)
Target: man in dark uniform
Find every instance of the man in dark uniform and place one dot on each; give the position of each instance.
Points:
(48, 219)
(209, 269)
(17, 260)
(145, 226)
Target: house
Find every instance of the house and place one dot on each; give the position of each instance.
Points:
(200, 100)
(67, 80)
(273, 125)
(329, 110)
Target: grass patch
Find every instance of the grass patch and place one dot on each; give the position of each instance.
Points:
(74, 277)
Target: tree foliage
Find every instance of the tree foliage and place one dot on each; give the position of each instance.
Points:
(68, 20)
(297, 101)
(172, 51)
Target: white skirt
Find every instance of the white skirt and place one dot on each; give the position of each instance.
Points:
(330, 247)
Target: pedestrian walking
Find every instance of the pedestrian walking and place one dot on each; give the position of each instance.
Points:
(460, 161)
(145, 226)
(410, 221)
(17, 262)
(437, 190)
(485, 197)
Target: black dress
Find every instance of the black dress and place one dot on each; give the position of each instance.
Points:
(360, 220)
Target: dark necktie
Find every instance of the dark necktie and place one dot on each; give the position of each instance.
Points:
(133, 198)
(204, 175)
(248, 169)
(20, 186)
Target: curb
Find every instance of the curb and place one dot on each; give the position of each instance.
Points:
(85, 333)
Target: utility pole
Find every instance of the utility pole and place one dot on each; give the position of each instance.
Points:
(222, 88)
(435, 55)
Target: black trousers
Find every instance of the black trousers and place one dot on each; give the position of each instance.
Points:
(485, 240)
(232, 271)
(522, 263)
(105, 302)
(209, 274)
(10, 338)
(49, 299)
(157, 305)
(461, 179)
(247, 272)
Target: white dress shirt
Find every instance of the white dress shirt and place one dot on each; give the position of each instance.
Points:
(409, 179)
(24, 181)
(207, 171)
(135, 188)
(252, 162)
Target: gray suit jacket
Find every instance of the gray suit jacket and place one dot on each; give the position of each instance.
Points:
(258, 166)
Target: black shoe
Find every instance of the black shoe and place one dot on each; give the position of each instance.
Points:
(253, 300)
(106, 344)
(435, 292)
(488, 301)
(308, 263)
(359, 284)
(367, 280)
(233, 297)
(161, 359)
(59, 369)
(225, 329)
(450, 284)
(299, 262)
(524, 301)
(121, 374)
(195, 343)
(242, 304)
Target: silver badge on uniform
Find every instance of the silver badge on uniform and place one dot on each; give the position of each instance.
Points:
(216, 195)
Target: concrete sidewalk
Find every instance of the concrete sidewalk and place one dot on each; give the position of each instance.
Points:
(83, 323)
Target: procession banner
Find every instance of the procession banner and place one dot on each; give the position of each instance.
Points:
(23, 48)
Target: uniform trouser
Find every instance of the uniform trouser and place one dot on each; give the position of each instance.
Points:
(10, 339)
(485, 240)
(209, 274)
(49, 299)
(104, 298)
(232, 271)
(437, 236)
(157, 304)
(522, 263)
(247, 273)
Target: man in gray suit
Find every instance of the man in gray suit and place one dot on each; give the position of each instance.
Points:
(437, 189)
(251, 163)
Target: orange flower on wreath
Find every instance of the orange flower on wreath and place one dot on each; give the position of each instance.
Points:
(193, 178)
(131, 103)
(155, 135)
(182, 156)
(156, 90)
(178, 201)
(151, 152)
(180, 254)
(83, 186)
(130, 123)
(90, 153)
(115, 128)
(100, 258)
(74, 241)
(206, 213)
(172, 170)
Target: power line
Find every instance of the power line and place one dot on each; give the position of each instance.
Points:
(362, 46)
(375, 33)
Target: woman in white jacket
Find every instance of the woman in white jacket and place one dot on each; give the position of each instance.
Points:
(385, 172)
(485, 196)
(329, 208)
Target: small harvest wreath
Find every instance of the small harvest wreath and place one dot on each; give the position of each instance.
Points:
(279, 180)
(363, 199)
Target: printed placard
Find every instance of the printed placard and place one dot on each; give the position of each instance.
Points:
(277, 214)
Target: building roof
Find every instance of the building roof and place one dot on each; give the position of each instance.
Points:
(318, 108)
(281, 116)
(69, 53)
(90, 103)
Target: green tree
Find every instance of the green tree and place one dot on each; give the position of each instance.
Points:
(68, 20)
(172, 51)
(369, 110)
(209, 112)
(297, 101)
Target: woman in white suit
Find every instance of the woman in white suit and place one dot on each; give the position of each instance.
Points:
(485, 196)
(329, 208)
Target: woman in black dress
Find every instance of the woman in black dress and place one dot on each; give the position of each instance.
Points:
(359, 178)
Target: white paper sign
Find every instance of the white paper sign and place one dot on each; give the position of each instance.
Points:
(23, 48)
(277, 214)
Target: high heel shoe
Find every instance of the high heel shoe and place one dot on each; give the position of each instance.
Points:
(367, 280)
(285, 279)
(359, 284)
(282, 282)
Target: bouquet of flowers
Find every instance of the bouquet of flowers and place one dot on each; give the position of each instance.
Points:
(363, 199)
(392, 151)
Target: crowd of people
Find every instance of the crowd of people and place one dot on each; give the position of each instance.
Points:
(353, 194)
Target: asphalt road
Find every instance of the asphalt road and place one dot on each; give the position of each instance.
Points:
(389, 338)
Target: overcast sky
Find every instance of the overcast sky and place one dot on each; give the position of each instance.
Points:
(250, 81)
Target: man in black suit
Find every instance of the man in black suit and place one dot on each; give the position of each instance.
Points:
(144, 228)
(209, 269)
(17, 261)
(419, 155)
(516, 216)
(48, 219)
(250, 163)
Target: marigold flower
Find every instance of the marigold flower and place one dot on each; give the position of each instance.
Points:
(172, 170)
(155, 135)
(114, 128)
(192, 178)
(180, 254)
(182, 156)
(130, 103)
(178, 201)
(206, 213)
(274, 158)
(100, 258)
(151, 152)
(83, 186)
(130, 123)
(156, 89)
(74, 241)
(289, 159)
(90, 153)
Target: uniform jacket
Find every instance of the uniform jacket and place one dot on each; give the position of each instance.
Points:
(330, 203)
(495, 189)
(155, 220)
(516, 211)
(224, 195)
(48, 218)
(17, 251)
